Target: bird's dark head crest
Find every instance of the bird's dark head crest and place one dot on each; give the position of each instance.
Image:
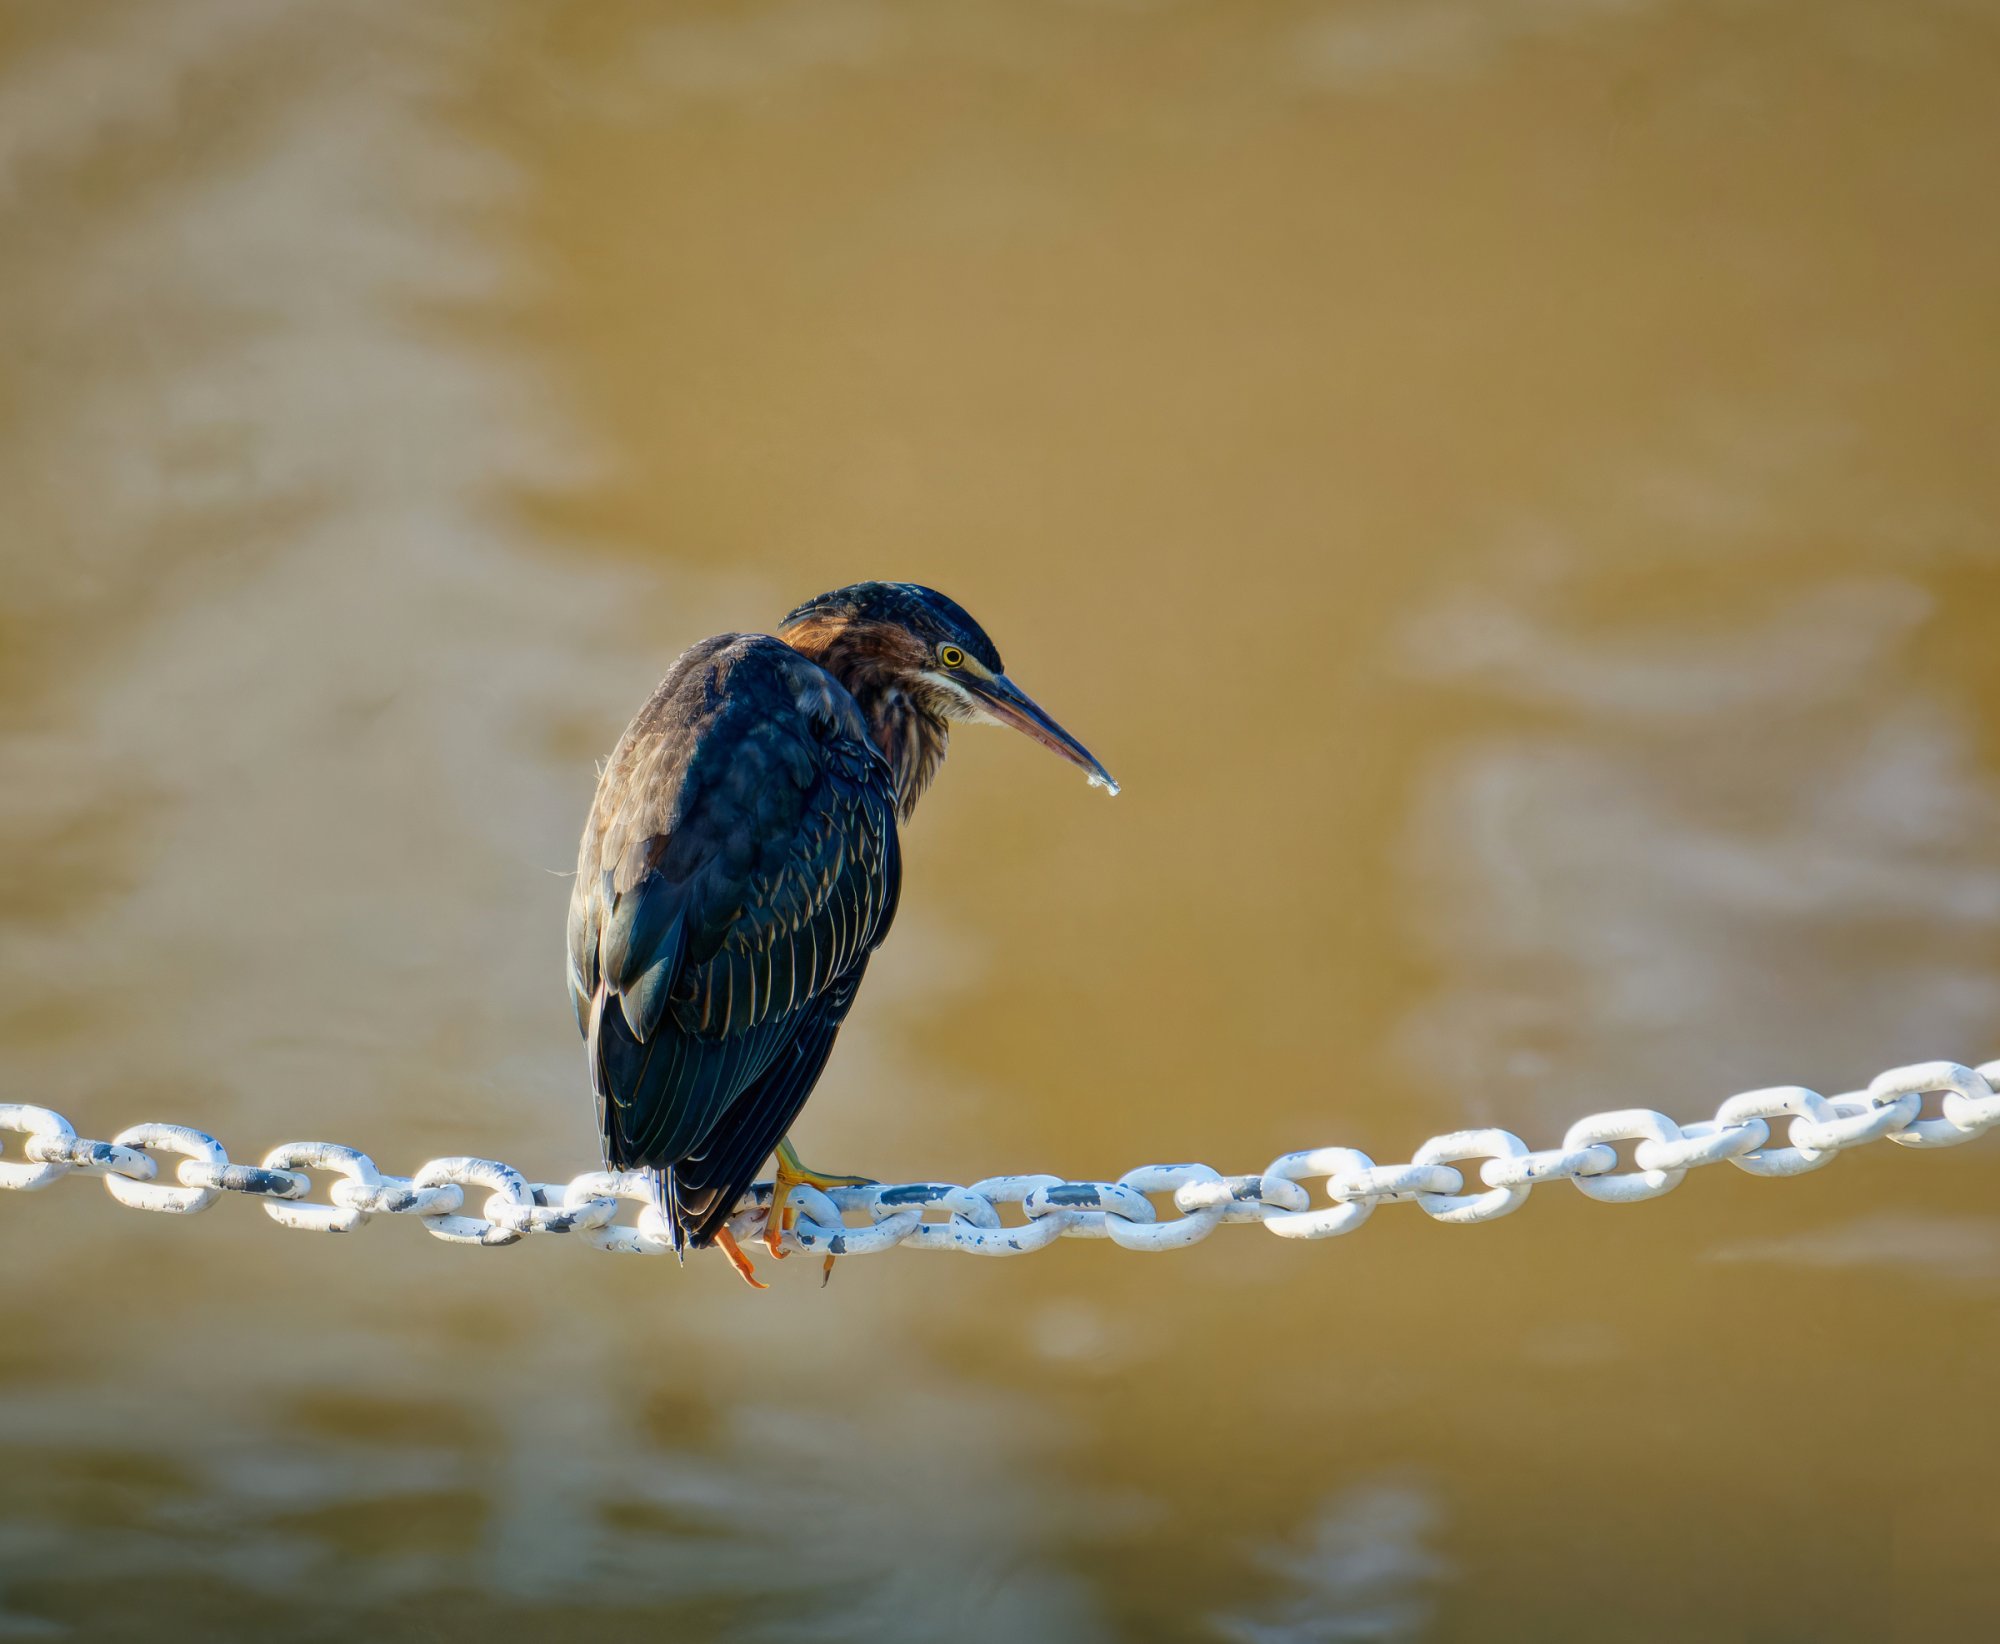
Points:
(923, 613)
(915, 663)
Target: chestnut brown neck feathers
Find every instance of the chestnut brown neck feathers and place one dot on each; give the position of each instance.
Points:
(881, 664)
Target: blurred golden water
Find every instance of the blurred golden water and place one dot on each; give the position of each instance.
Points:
(1508, 486)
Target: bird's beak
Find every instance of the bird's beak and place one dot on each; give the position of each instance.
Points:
(1011, 705)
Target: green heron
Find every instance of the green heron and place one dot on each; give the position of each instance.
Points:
(739, 866)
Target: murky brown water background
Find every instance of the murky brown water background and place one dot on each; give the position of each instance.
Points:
(1509, 486)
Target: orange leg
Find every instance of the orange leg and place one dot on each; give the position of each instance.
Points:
(726, 1242)
(791, 1172)
(781, 1215)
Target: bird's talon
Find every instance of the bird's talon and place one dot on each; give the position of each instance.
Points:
(777, 1223)
(725, 1241)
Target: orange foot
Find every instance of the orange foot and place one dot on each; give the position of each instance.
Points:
(726, 1242)
(791, 1172)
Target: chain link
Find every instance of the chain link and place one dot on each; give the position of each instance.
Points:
(1156, 1207)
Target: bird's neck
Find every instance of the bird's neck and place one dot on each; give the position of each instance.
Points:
(911, 737)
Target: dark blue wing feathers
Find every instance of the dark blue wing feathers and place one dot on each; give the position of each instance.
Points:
(705, 1186)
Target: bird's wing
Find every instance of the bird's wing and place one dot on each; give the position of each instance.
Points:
(704, 1187)
(739, 861)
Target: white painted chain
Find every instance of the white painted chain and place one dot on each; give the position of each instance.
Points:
(858, 1221)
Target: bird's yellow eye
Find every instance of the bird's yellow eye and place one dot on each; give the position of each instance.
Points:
(950, 655)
